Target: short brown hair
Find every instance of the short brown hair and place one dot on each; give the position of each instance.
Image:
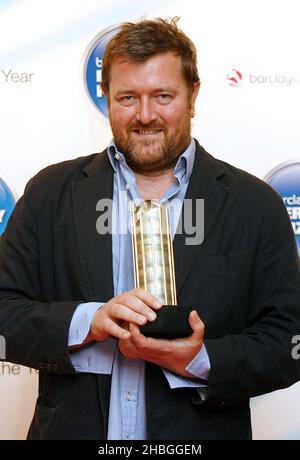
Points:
(146, 38)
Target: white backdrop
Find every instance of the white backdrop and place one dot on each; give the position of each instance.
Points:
(47, 117)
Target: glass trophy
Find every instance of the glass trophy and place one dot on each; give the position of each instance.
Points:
(154, 271)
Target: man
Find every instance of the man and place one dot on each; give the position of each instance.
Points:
(68, 304)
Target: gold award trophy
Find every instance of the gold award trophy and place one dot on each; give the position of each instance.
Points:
(154, 271)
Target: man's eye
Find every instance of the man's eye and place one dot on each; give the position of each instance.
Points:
(127, 98)
(164, 97)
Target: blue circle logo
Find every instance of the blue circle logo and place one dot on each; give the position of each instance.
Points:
(93, 68)
(7, 203)
(285, 179)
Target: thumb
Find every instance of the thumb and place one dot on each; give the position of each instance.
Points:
(196, 324)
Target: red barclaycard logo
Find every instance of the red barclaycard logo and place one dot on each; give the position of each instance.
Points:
(234, 78)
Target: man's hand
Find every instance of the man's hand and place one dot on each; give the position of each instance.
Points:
(173, 355)
(135, 307)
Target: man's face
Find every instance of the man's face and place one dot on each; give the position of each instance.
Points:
(150, 111)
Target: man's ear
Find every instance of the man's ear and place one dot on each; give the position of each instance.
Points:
(194, 97)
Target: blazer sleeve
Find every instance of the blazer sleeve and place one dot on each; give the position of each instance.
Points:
(35, 332)
(259, 359)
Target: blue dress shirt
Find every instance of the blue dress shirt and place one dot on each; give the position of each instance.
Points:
(127, 401)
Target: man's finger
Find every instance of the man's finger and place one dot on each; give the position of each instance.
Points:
(115, 330)
(148, 298)
(125, 313)
(140, 340)
(136, 304)
(134, 329)
(196, 324)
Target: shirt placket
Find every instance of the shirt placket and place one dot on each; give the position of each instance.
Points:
(131, 369)
(129, 391)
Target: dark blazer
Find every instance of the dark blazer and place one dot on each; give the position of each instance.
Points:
(243, 280)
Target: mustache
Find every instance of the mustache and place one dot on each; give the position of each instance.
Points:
(151, 126)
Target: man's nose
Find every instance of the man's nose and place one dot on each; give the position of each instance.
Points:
(146, 112)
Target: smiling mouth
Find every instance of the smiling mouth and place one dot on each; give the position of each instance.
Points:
(147, 132)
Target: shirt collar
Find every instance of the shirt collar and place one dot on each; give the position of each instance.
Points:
(185, 162)
(183, 167)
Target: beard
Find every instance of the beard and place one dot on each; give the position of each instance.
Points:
(152, 155)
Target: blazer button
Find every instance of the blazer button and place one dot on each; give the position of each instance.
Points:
(42, 366)
(55, 367)
(48, 367)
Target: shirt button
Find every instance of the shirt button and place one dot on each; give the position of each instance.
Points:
(129, 396)
(127, 186)
(117, 156)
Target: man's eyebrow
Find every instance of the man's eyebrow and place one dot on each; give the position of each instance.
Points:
(163, 89)
(124, 91)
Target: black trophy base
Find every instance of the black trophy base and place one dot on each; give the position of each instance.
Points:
(171, 323)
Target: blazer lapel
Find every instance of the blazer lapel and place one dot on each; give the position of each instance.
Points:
(204, 185)
(95, 249)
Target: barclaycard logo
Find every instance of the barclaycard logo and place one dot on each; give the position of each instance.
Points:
(6, 205)
(234, 78)
(285, 179)
(92, 71)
